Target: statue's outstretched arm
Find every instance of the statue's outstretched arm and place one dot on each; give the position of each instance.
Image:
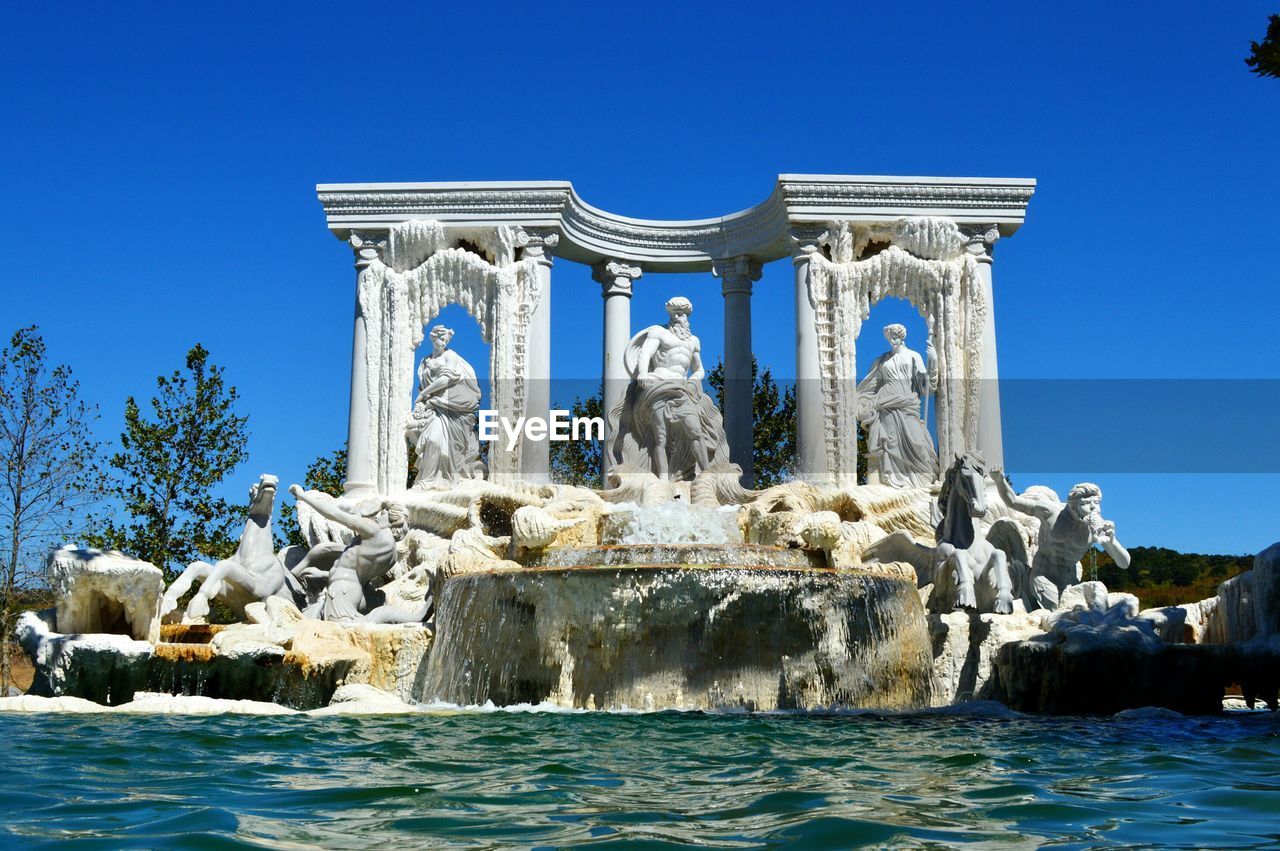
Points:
(1113, 547)
(1034, 507)
(328, 509)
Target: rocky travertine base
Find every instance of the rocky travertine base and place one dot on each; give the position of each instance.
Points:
(1108, 676)
(347, 700)
(681, 637)
(282, 658)
(965, 645)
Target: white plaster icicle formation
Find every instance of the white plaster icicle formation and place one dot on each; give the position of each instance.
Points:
(923, 261)
(425, 271)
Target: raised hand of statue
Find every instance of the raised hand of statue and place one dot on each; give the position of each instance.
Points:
(930, 355)
(1104, 532)
(296, 490)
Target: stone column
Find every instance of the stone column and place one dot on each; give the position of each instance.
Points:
(361, 477)
(982, 240)
(616, 279)
(736, 275)
(535, 455)
(811, 449)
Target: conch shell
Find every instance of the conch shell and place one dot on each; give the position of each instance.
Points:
(533, 528)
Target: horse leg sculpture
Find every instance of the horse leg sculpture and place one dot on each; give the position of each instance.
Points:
(197, 571)
(229, 572)
(999, 583)
(965, 596)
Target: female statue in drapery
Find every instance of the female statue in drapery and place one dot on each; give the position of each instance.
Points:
(442, 425)
(899, 445)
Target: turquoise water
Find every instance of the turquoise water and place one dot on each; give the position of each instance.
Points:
(639, 781)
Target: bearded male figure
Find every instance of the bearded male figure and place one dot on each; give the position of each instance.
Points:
(1067, 531)
(665, 424)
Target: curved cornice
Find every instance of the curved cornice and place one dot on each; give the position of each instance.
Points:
(590, 235)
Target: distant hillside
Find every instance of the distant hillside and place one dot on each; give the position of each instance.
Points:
(1164, 577)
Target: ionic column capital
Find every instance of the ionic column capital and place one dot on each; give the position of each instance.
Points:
(536, 244)
(806, 240)
(615, 277)
(368, 247)
(979, 240)
(736, 273)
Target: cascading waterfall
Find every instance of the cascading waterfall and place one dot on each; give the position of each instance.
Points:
(661, 625)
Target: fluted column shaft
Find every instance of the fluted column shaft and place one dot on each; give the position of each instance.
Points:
(736, 275)
(990, 432)
(360, 473)
(535, 464)
(811, 450)
(616, 281)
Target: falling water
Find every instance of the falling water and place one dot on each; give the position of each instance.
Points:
(673, 523)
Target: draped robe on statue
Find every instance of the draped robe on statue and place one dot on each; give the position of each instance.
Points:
(443, 422)
(680, 403)
(889, 407)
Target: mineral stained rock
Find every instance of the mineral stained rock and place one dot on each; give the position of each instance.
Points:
(282, 658)
(662, 637)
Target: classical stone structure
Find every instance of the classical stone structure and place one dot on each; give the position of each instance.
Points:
(853, 240)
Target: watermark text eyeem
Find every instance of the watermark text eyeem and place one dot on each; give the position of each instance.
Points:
(560, 427)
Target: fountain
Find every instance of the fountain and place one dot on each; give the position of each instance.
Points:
(677, 585)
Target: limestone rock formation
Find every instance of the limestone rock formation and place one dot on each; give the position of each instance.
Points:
(104, 667)
(965, 646)
(105, 592)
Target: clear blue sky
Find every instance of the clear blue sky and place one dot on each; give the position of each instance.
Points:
(159, 163)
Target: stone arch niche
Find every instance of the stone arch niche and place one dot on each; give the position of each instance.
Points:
(926, 262)
(419, 268)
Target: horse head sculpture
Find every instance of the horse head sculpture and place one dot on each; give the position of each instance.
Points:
(962, 498)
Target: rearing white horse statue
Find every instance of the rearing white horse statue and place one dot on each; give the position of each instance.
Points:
(968, 570)
(968, 565)
(253, 574)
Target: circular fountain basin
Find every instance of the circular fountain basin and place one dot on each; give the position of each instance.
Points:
(680, 627)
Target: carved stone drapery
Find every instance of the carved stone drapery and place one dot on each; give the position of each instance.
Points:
(923, 261)
(421, 271)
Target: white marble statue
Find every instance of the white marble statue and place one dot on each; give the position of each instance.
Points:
(252, 575)
(1067, 531)
(665, 423)
(968, 568)
(899, 445)
(348, 571)
(442, 425)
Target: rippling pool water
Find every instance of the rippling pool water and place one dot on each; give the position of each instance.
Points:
(500, 779)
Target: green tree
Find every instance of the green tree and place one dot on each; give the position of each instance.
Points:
(773, 410)
(577, 462)
(1264, 57)
(168, 466)
(49, 464)
(327, 473)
